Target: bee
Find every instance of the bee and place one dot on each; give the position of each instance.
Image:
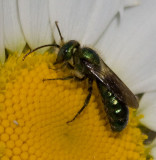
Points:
(86, 62)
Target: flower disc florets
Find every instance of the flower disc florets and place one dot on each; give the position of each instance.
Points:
(33, 116)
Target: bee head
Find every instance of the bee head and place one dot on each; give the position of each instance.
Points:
(66, 51)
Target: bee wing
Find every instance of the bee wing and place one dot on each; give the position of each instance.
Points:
(113, 83)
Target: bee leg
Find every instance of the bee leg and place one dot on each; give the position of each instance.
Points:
(80, 79)
(64, 78)
(90, 81)
(64, 65)
(68, 65)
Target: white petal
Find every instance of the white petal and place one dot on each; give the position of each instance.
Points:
(13, 36)
(153, 150)
(129, 47)
(2, 50)
(148, 109)
(82, 20)
(35, 22)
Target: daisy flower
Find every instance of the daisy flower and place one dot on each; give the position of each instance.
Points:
(33, 113)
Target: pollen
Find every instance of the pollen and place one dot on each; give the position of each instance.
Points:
(34, 115)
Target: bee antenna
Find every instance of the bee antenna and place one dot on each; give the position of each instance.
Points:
(62, 40)
(47, 45)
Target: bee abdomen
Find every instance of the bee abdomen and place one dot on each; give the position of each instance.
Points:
(116, 110)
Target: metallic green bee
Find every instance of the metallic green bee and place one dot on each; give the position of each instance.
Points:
(87, 64)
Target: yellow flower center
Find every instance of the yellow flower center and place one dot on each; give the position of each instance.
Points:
(33, 116)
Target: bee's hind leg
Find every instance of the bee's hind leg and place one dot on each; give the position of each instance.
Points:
(90, 81)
